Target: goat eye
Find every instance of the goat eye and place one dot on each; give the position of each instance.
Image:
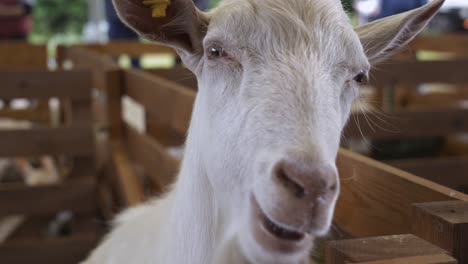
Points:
(216, 52)
(360, 77)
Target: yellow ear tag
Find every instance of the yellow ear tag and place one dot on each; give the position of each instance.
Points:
(158, 7)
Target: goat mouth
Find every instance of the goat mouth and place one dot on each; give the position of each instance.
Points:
(275, 236)
(280, 232)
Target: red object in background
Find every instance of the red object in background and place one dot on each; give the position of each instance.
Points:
(465, 24)
(14, 27)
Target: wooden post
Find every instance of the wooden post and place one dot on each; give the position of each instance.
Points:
(113, 89)
(387, 249)
(444, 224)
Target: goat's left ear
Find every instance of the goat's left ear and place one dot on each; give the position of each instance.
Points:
(183, 27)
(384, 37)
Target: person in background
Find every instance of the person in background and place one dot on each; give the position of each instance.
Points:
(15, 19)
(370, 10)
(202, 4)
(393, 7)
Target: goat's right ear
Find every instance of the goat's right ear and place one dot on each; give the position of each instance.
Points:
(384, 37)
(183, 27)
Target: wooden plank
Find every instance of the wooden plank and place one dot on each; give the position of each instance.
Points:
(378, 249)
(113, 89)
(454, 43)
(157, 163)
(164, 135)
(170, 103)
(407, 124)
(129, 183)
(81, 113)
(37, 227)
(444, 224)
(82, 57)
(418, 101)
(418, 72)
(51, 251)
(76, 195)
(34, 115)
(107, 78)
(45, 84)
(429, 259)
(179, 74)
(376, 199)
(22, 55)
(83, 167)
(130, 48)
(47, 141)
(449, 171)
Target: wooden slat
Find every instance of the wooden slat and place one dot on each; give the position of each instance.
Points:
(45, 84)
(164, 135)
(376, 199)
(113, 88)
(21, 55)
(36, 227)
(47, 141)
(417, 72)
(83, 167)
(82, 57)
(454, 43)
(180, 75)
(170, 103)
(34, 115)
(449, 172)
(129, 183)
(51, 251)
(434, 100)
(130, 48)
(157, 163)
(379, 249)
(77, 195)
(107, 78)
(429, 259)
(444, 224)
(407, 124)
(81, 113)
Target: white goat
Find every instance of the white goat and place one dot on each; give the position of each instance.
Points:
(276, 81)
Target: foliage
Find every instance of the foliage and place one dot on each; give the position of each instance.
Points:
(214, 3)
(52, 17)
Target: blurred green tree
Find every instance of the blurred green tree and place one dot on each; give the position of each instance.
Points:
(52, 17)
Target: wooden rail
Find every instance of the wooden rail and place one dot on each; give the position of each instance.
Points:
(179, 75)
(25, 76)
(118, 48)
(418, 72)
(46, 141)
(76, 195)
(171, 103)
(376, 198)
(446, 171)
(45, 84)
(389, 249)
(21, 55)
(453, 43)
(403, 124)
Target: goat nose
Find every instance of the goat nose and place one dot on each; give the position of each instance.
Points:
(311, 180)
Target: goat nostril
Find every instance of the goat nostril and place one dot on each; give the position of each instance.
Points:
(334, 187)
(290, 184)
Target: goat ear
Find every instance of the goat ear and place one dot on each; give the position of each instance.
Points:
(183, 27)
(384, 37)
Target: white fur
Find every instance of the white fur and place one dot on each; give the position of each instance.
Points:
(287, 86)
